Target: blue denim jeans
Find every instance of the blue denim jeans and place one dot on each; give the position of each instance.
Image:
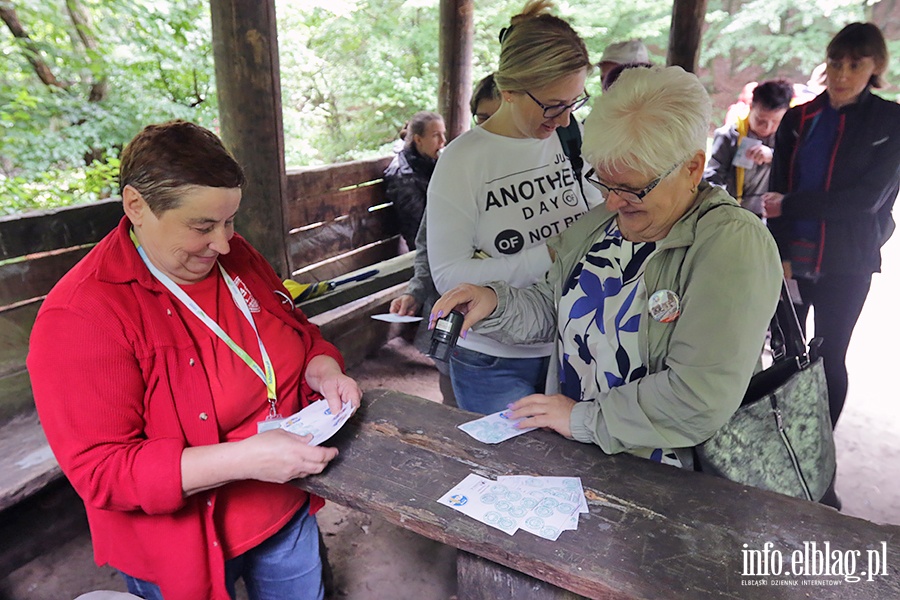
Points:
(487, 384)
(286, 566)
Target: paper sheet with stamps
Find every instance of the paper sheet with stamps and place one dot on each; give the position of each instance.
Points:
(543, 506)
(495, 428)
(318, 420)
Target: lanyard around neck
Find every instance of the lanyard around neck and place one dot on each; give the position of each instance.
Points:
(267, 374)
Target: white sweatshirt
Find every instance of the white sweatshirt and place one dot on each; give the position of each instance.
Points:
(504, 197)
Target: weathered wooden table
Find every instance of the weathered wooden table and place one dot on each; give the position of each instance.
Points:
(653, 532)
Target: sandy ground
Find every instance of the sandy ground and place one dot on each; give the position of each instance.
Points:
(374, 560)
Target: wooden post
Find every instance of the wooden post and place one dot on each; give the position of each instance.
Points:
(245, 47)
(688, 17)
(455, 59)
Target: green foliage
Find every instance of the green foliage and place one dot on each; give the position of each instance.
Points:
(58, 187)
(155, 59)
(352, 72)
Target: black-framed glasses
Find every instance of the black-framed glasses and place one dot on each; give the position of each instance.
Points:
(635, 197)
(551, 112)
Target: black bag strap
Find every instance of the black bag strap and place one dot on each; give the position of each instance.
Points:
(786, 325)
(570, 139)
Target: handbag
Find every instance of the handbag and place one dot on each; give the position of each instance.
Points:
(780, 439)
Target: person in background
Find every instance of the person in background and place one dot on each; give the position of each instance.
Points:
(835, 177)
(485, 100)
(406, 178)
(181, 350)
(741, 155)
(420, 291)
(620, 53)
(741, 108)
(614, 73)
(500, 190)
(658, 301)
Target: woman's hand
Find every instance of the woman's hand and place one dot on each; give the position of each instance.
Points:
(405, 306)
(278, 456)
(324, 375)
(772, 204)
(474, 301)
(541, 410)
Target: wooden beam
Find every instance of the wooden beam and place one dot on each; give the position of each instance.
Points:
(245, 47)
(455, 59)
(688, 17)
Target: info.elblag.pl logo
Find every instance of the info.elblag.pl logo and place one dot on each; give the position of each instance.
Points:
(816, 563)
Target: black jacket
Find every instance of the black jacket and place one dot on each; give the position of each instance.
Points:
(861, 184)
(406, 185)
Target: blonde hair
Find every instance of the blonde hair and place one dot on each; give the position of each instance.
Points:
(537, 49)
(649, 120)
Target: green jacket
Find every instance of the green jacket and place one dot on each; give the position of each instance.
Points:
(726, 270)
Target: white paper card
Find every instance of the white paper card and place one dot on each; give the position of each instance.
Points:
(495, 428)
(544, 506)
(468, 498)
(318, 420)
(392, 318)
(740, 157)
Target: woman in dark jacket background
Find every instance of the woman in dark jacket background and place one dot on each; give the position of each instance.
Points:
(835, 177)
(406, 178)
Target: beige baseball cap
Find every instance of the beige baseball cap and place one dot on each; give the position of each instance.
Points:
(620, 53)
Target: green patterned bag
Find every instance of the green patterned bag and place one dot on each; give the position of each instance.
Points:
(780, 439)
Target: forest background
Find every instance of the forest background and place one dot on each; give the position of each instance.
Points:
(78, 78)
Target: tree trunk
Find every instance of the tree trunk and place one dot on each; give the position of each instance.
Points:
(688, 17)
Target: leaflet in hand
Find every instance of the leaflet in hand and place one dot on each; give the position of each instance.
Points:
(495, 428)
(740, 157)
(317, 420)
(543, 506)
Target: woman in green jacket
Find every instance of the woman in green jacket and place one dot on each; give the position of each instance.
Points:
(658, 301)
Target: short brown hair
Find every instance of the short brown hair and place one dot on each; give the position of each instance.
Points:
(163, 159)
(858, 40)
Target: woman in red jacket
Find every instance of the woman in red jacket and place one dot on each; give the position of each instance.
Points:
(159, 363)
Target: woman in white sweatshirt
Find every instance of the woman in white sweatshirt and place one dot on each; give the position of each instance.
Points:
(500, 190)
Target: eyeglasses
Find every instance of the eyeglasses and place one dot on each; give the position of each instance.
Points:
(551, 112)
(635, 197)
(480, 118)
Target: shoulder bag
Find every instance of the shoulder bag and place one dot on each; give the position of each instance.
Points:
(780, 439)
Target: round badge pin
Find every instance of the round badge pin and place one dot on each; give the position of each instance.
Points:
(664, 306)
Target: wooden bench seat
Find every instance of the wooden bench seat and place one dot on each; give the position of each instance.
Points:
(653, 531)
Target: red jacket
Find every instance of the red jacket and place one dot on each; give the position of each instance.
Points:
(120, 394)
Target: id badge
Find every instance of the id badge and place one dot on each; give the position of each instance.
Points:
(271, 422)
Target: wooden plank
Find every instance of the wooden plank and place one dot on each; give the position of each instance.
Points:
(481, 579)
(49, 519)
(314, 182)
(34, 277)
(26, 462)
(43, 231)
(396, 270)
(338, 237)
(354, 260)
(329, 207)
(653, 531)
(15, 328)
(351, 328)
(16, 396)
